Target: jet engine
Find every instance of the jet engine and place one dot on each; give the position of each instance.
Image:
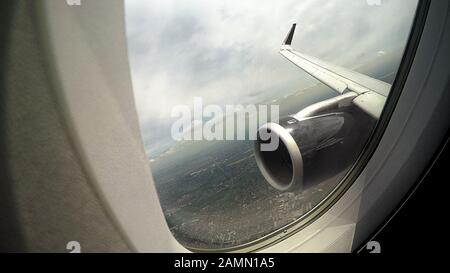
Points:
(316, 144)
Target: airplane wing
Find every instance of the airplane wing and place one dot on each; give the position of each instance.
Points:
(371, 93)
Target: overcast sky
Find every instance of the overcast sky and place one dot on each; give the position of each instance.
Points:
(227, 51)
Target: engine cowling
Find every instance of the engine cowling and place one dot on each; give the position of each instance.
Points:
(311, 149)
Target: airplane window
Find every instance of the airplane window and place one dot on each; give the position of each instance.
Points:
(252, 112)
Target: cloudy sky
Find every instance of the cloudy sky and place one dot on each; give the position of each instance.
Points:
(227, 51)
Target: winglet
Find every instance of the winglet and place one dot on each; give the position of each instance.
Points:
(288, 40)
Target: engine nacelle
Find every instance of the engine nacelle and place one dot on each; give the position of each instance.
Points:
(311, 149)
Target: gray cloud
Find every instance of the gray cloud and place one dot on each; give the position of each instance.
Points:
(227, 51)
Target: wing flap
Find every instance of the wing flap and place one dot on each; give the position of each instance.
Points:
(371, 102)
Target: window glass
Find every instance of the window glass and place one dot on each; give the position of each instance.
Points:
(224, 55)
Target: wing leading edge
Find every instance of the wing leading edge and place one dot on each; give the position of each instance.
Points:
(371, 93)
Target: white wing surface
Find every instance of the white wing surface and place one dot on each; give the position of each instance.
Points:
(371, 93)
